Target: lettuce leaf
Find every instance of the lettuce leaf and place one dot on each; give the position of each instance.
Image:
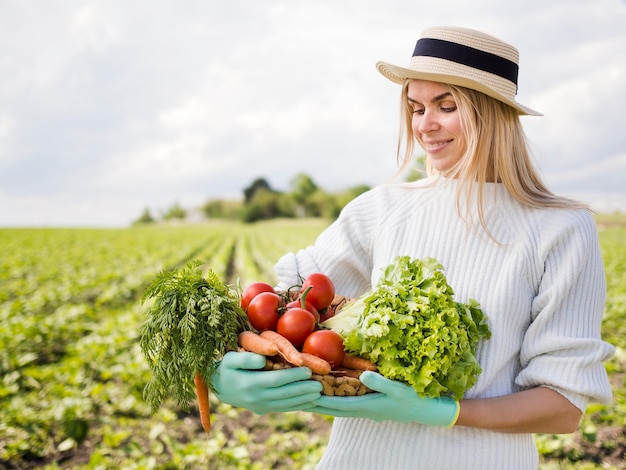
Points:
(413, 329)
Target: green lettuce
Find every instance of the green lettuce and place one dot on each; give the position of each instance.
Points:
(414, 330)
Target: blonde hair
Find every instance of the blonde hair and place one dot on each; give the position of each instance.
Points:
(496, 151)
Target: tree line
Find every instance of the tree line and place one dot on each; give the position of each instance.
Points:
(262, 202)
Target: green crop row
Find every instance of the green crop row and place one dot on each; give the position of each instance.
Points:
(72, 374)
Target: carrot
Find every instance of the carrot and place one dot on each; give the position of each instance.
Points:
(250, 341)
(202, 392)
(345, 372)
(316, 364)
(285, 348)
(357, 363)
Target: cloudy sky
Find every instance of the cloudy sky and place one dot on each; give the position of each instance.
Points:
(108, 107)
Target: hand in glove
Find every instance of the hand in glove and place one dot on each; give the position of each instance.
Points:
(239, 381)
(394, 401)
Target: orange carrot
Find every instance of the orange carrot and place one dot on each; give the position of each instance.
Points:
(358, 363)
(250, 341)
(202, 392)
(285, 348)
(316, 364)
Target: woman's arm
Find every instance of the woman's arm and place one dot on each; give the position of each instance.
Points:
(538, 410)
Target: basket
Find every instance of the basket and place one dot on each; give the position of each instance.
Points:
(339, 383)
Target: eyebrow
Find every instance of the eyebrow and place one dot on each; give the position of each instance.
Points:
(435, 99)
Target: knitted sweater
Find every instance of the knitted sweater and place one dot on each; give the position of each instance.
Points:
(541, 286)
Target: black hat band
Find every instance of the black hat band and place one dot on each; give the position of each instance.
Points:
(469, 56)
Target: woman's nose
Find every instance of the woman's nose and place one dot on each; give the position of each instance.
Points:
(426, 122)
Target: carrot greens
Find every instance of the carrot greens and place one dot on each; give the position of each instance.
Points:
(193, 321)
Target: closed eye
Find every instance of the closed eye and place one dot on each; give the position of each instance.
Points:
(446, 104)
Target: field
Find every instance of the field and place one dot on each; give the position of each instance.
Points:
(72, 374)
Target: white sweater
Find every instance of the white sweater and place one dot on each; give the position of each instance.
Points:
(542, 289)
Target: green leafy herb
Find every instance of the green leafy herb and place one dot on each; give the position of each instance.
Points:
(192, 323)
(414, 330)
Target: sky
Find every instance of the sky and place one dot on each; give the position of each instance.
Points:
(111, 107)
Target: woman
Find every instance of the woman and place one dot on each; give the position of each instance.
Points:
(529, 257)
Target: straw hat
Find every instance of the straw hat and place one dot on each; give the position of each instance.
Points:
(463, 57)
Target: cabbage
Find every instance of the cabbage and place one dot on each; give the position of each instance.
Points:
(414, 330)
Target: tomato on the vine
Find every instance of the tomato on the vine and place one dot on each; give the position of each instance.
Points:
(322, 290)
(296, 325)
(263, 311)
(308, 307)
(252, 291)
(326, 344)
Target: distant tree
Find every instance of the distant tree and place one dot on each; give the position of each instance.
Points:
(144, 218)
(266, 204)
(222, 209)
(311, 200)
(302, 186)
(175, 212)
(287, 206)
(258, 184)
(321, 204)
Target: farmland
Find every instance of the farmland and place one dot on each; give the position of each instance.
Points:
(72, 374)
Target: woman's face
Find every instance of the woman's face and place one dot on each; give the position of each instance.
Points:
(436, 123)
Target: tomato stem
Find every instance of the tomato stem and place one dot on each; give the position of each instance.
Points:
(303, 297)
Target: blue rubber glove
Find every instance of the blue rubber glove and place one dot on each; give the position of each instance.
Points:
(239, 382)
(395, 401)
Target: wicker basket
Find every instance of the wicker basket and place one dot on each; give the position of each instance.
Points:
(340, 383)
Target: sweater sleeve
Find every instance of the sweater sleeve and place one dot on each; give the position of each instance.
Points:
(562, 348)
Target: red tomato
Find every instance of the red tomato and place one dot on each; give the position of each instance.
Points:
(263, 311)
(308, 307)
(326, 344)
(296, 325)
(326, 314)
(322, 292)
(252, 290)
